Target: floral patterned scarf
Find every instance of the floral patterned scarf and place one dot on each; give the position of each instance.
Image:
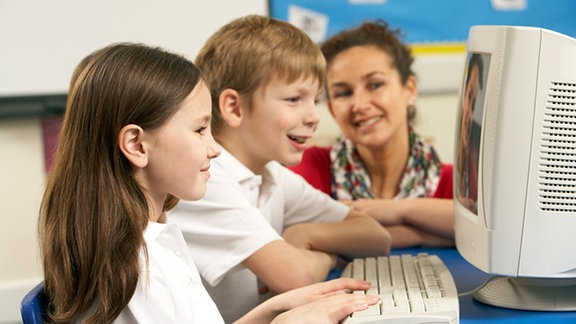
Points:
(350, 179)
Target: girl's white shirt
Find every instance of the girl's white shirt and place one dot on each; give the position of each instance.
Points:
(169, 289)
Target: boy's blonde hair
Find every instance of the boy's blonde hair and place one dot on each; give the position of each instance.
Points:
(248, 52)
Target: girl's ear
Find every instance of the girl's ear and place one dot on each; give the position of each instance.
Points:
(130, 142)
(230, 107)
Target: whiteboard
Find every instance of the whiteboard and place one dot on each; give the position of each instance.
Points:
(41, 41)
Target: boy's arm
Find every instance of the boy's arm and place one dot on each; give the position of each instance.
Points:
(358, 235)
(282, 266)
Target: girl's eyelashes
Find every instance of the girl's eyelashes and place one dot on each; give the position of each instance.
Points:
(201, 130)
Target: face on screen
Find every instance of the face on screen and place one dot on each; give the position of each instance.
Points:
(472, 103)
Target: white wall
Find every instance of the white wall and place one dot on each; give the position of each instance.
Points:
(42, 41)
(21, 185)
(40, 44)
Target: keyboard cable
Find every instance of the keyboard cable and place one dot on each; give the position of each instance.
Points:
(473, 290)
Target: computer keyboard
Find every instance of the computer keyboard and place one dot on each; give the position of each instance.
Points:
(412, 288)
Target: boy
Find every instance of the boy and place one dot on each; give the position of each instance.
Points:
(262, 225)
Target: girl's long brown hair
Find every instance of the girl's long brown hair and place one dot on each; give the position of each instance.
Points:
(93, 212)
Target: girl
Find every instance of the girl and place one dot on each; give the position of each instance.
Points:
(135, 139)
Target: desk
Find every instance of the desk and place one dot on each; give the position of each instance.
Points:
(467, 277)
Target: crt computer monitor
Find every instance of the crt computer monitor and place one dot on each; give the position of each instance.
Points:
(515, 166)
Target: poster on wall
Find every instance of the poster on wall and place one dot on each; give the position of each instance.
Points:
(425, 21)
(435, 29)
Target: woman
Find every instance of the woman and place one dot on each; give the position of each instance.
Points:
(381, 166)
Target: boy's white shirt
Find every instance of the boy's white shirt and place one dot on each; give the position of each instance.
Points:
(240, 213)
(171, 291)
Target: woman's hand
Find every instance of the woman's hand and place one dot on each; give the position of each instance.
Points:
(385, 211)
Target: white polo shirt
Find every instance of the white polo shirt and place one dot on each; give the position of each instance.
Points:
(240, 213)
(171, 291)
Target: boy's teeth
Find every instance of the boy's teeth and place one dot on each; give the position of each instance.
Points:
(296, 139)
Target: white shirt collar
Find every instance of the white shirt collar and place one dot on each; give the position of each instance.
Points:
(258, 187)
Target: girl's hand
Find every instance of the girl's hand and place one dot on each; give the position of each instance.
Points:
(318, 291)
(329, 310)
(324, 302)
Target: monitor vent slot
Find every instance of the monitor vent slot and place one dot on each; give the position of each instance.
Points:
(557, 165)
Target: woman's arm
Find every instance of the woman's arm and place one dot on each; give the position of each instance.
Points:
(431, 217)
(404, 236)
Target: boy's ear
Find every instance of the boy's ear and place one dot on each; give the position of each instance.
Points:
(130, 142)
(230, 108)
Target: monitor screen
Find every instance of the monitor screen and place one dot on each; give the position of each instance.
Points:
(470, 130)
